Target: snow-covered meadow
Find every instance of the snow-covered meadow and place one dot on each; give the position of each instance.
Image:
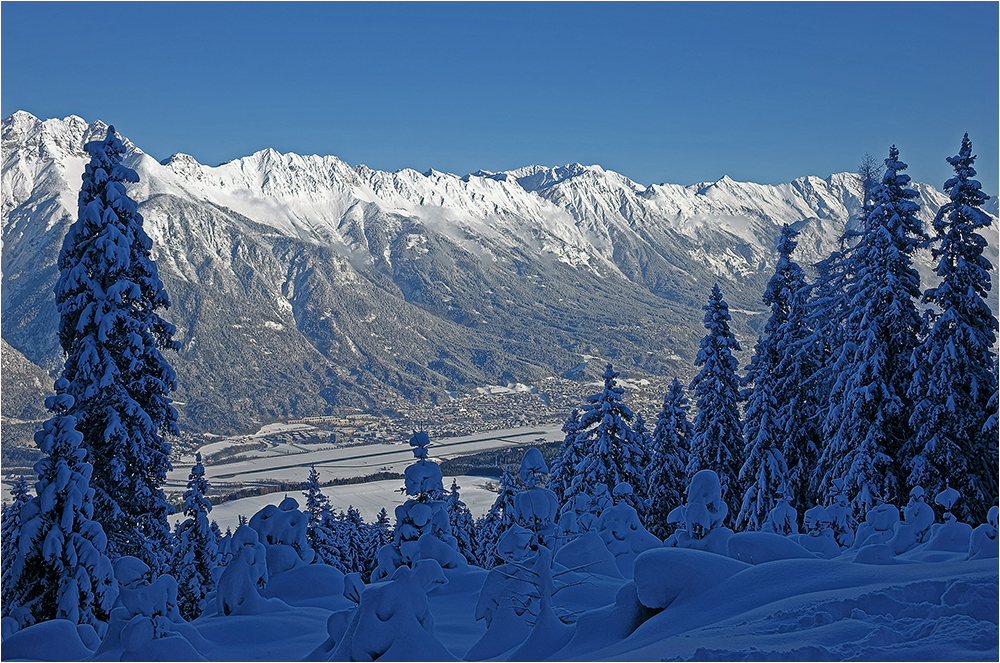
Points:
(368, 498)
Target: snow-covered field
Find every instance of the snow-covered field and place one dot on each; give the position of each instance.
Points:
(368, 498)
(291, 462)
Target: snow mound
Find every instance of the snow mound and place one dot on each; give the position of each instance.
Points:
(54, 640)
(666, 575)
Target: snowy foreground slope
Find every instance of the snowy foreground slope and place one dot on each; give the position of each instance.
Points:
(928, 604)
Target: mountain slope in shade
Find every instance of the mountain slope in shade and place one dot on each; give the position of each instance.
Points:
(300, 283)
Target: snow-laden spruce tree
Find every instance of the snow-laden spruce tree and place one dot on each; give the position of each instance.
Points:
(497, 520)
(953, 369)
(718, 430)
(668, 459)
(567, 458)
(350, 528)
(321, 530)
(770, 442)
(10, 532)
(463, 527)
(868, 422)
(612, 452)
(108, 295)
(61, 570)
(196, 547)
(378, 534)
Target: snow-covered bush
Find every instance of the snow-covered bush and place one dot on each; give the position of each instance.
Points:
(819, 537)
(146, 623)
(423, 515)
(783, 519)
(536, 508)
(840, 510)
(879, 525)
(983, 542)
(282, 531)
(704, 515)
(237, 592)
(394, 621)
(624, 536)
(918, 517)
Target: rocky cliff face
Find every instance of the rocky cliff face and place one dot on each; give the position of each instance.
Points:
(300, 283)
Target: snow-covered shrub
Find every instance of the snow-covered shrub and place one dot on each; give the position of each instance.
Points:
(282, 530)
(879, 525)
(819, 537)
(146, 624)
(237, 592)
(983, 542)
(918, 517)
(423, 515)
(536, 508)
(393, 620)
(624, 536)
(581, 513)
(782, 519)
(840, 510)
(704, 515)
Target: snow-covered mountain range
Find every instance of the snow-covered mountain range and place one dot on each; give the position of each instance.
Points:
(300, 283)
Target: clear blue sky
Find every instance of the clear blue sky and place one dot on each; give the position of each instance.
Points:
(670, 92)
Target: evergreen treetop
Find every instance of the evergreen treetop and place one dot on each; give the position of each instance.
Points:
(869, 418)
(953, 369)
(613, 454)
(718, 434)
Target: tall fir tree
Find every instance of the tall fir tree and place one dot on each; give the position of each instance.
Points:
(567, 458)
(718, 430)
(801, 399)
(378, 534)
(61, 570)
(868, 422)
(669, 448)
(196, 547)
(108, 295)
(613, 454)
(351, 539)
(497, 520)
(10, 532)
(463, 527)
(953, 369)
(321, 528)
(770, 442)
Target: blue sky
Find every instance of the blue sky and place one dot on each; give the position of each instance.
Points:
(661, 92)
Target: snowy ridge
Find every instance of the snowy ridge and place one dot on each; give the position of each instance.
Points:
(433, 283)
